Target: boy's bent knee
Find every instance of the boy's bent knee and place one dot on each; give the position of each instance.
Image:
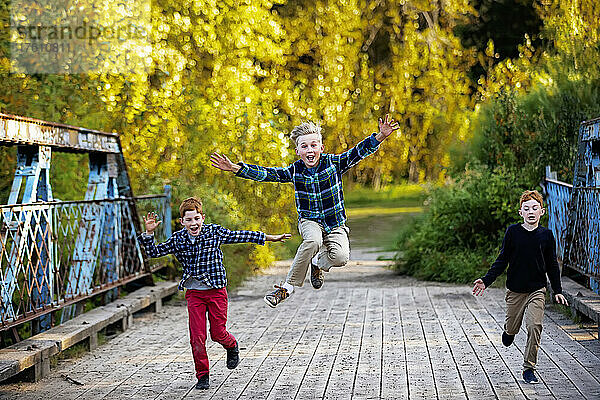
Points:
(218, 335)
(339, 258)
(535, 329)
(312, 244)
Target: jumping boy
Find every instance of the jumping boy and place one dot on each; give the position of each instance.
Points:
(197, 248)
(317, 179)
(529, 250)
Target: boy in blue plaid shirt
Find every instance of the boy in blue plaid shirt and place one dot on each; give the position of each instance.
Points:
(317, 179)
(197, 248)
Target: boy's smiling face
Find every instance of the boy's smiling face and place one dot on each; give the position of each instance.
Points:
(531, 211)
(309, 149)
(192, 221)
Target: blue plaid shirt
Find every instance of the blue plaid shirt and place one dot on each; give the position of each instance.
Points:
(319, 194)
(202, 258)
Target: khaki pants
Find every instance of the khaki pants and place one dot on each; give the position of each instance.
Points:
(531, 306)
(335, 251)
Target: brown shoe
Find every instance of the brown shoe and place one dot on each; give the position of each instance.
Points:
(316, 276)
(276, 296)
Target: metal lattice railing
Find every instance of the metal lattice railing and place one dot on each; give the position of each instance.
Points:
(582, 242)
(55, 254)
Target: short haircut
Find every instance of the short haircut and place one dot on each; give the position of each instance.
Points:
(190, 204)
(305, 128)
(531, 195)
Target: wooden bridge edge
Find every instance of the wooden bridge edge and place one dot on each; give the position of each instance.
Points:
(32, 356)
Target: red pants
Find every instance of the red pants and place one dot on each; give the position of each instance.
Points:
(199, 302)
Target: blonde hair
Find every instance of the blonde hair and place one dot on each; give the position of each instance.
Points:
(305, 128)
(532, 195)
(190, 204)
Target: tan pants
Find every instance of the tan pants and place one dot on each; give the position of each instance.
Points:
(335, 251)
(531, 306)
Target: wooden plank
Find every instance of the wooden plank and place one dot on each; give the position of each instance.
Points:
(447, 380)
(367, 384)
(108, 368)
(315, 380)
(343, 373)
(420, 375)
(562, 373)
(152, 346)
(513, 355)
(499, 375)
(475, 381)
(246, 325)
(280, 352)
(585, 335)
(246, 373)
(394, 380)
(292, 375)
(340, 342)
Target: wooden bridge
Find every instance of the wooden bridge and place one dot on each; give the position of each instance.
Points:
(367, 334)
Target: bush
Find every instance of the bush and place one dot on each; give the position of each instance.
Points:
(515, 136)
(526, 132)
(458, 236)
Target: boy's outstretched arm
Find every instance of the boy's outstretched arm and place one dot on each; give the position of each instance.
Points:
(151, 223)
(223, 163)
(386, 127)
(253, 172)
(243, 236)
(277, 238)
(368, 146)
(147, 238)
(496, 269)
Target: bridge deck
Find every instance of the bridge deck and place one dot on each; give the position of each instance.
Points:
(367, 334)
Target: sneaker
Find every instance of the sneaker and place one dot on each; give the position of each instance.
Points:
(529, 376)
(316, 276)
(276, 296)
(507, 339)
(233, 356)
(202, 382)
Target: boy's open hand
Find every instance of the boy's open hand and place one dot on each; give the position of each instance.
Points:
(151, 222)
(478, 288)
(386, 127)
(223, 163)
(560, 299)
(278, 238)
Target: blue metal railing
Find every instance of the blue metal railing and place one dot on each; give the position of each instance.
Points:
(558, 196)
(55, 254)
(582, 242)
(574, 217)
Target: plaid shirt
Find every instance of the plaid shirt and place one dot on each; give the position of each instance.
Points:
(202, 259)
(319, 195)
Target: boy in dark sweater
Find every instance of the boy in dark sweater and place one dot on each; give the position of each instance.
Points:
(529, 251)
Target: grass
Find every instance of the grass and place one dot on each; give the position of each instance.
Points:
(390, 196)
(374, 217)
(380, 211)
